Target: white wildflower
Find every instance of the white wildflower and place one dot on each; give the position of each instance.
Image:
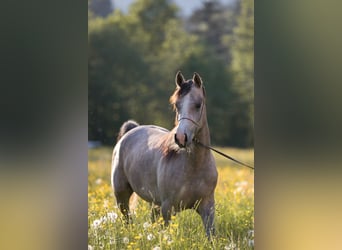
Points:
(98, 181)
(146, 225)
(231, 246)
(251, 233)
(251, 243)
(96, 223)
(156, 248)
(167, 237)
(90, 247)
(112, 216)
(125, 240)
(150, 237)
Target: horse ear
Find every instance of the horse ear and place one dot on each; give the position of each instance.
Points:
(197, 80)
(179, 79)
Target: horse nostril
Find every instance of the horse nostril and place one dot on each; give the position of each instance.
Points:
(176, 140)
(180, 140)
(185, 139)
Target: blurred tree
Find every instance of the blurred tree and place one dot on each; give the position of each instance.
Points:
(120, 78)
(132, 62)
(164, 65)
(149, 17)
(100, 8)
(243, 72)
(213, 23)
(115, 92)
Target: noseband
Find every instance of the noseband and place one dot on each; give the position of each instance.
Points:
(194, 122)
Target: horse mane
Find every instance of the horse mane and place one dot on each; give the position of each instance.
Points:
(167, 145)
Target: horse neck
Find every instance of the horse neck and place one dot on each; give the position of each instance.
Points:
(200, 153)
(203, 134)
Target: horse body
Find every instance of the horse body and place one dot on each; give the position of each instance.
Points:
(172, 173)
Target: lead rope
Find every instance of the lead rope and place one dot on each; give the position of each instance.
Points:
(223, 154)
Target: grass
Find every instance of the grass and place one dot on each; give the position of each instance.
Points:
(234, 211)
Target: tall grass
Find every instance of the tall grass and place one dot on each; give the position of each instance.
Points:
(234, 211)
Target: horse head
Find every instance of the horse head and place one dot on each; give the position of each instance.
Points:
(189, 104)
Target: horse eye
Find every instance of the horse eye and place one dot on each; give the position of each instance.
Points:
(198, 105)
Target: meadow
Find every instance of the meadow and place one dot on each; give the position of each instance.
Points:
(234, 220)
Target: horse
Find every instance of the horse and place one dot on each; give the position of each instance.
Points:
(166, 168)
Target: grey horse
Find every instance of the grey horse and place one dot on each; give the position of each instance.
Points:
(167, 168)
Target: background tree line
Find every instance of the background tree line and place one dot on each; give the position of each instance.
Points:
(133, 59)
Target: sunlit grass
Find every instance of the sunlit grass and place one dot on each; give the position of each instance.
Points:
(234, 211)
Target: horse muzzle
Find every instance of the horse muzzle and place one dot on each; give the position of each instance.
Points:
(181, 139)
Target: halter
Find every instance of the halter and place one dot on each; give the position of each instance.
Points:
(194, 122)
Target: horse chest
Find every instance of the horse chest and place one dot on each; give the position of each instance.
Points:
(187, 186)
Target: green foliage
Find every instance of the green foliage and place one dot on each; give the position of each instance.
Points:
(150, 18)
(213, 23)
(133, 59)
(112, 96)
(243, 72)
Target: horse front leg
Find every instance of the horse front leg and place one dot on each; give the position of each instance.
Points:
(206, 210)
(166, 208)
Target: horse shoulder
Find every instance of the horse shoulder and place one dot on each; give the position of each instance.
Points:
(207, 176)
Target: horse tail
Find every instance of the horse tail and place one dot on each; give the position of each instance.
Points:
(127, 126)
